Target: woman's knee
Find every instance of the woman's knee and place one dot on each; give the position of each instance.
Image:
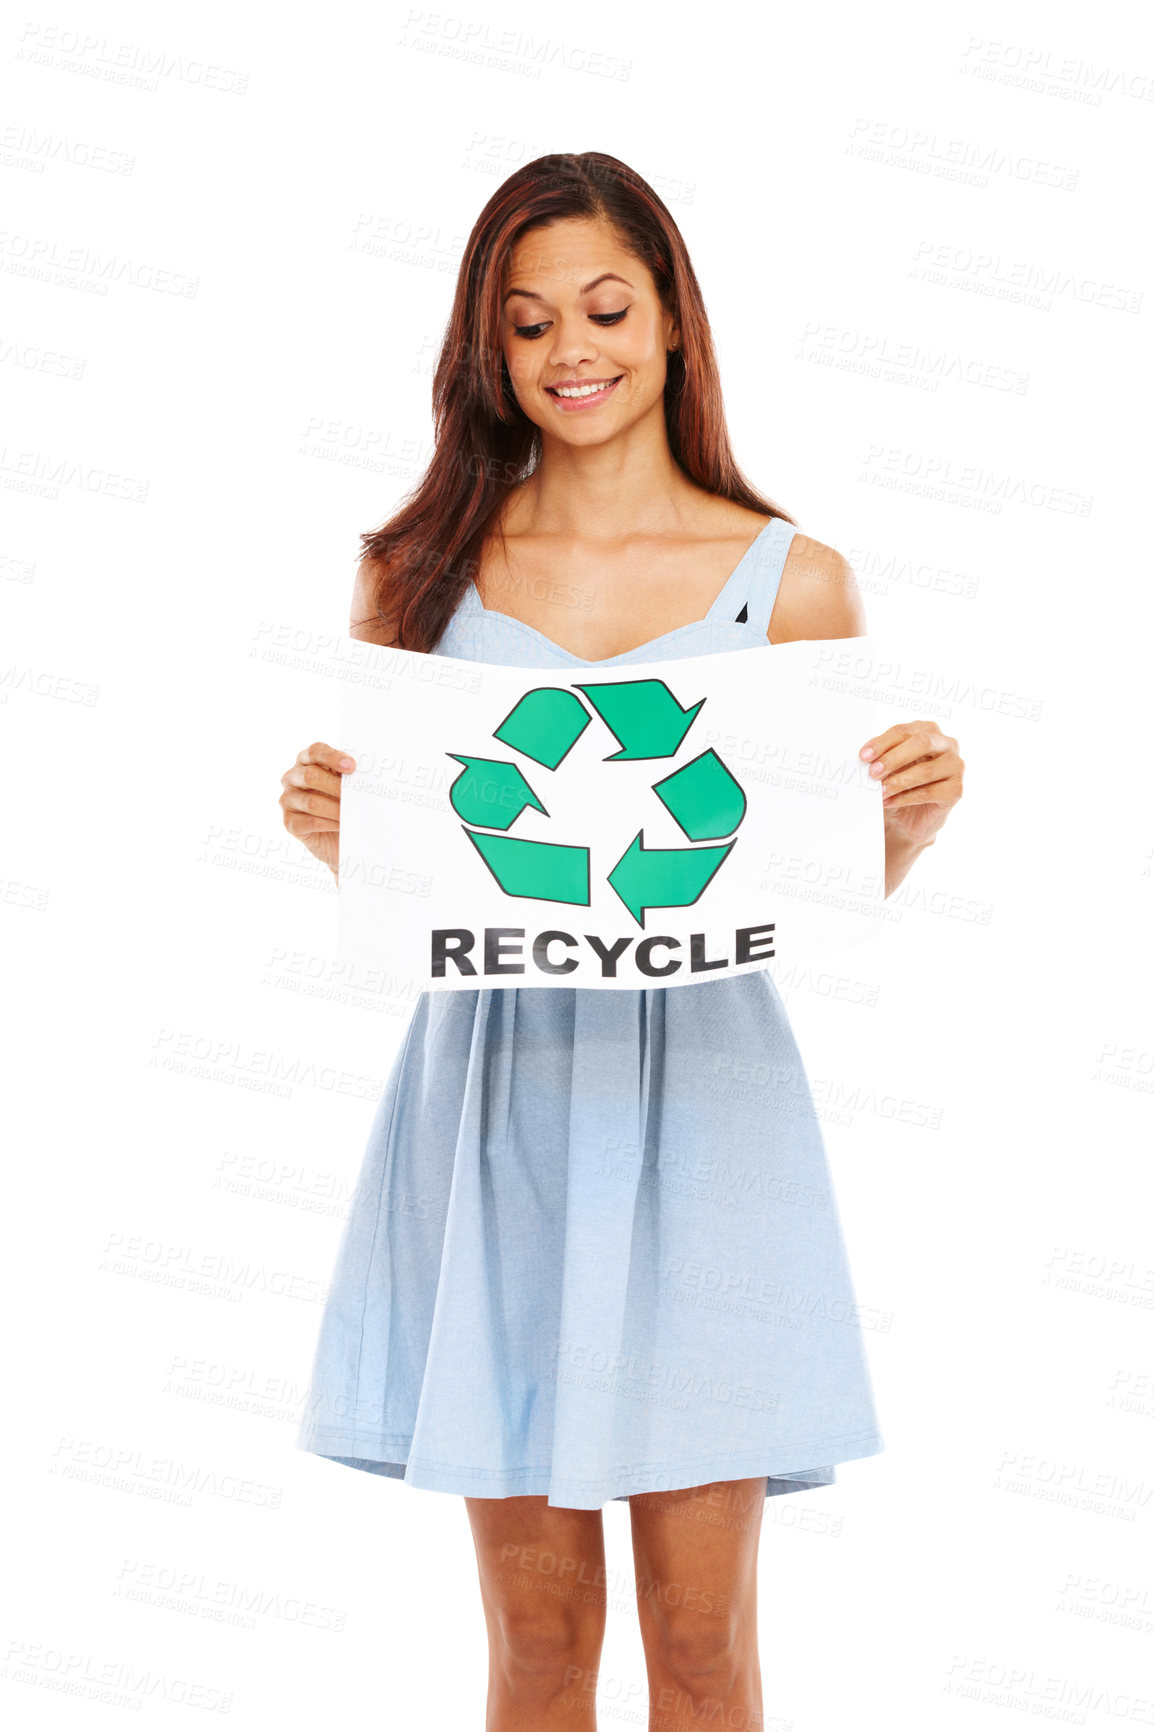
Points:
(700, 1652)
(547, 1641)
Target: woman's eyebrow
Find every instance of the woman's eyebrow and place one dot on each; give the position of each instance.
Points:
(605, 277)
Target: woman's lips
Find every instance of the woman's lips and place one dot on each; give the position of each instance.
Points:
(589, 402)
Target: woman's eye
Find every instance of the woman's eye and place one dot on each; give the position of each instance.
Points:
(531, 332)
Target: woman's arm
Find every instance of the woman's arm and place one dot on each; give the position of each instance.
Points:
(919, 765)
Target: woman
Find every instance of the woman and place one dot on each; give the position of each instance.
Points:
(594, 1253)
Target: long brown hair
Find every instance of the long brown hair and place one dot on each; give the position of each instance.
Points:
(426, 554)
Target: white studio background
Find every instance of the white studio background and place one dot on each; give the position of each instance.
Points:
(228, 251)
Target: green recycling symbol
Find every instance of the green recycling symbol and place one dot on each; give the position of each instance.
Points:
(647, 721)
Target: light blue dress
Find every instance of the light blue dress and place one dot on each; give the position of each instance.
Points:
(594, 1249)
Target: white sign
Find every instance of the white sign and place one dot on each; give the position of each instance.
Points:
(648, 824)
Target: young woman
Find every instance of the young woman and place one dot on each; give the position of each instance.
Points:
(594, 1252)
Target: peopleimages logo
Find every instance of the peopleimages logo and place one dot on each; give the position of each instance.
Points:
(647, 721)
(701, 796)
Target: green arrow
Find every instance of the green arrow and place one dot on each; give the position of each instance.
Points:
(490, 792)
(663, 877)
(703, 797)
(551, 871)
(545, 724)
(644, 715)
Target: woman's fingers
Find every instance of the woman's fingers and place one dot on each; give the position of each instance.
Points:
(330, 756)
(318, 766)
(326, 783)
(925, 757)
(942, 765)
(302, 824)
(941, 793)
(905, 742)
(914, 755)
(303, 800)
(311, 800)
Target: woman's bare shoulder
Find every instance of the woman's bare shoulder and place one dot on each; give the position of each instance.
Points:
(365, 621)
(818, 596)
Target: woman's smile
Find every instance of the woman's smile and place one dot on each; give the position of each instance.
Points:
(574, 394)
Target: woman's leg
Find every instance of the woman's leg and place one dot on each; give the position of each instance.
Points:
(695, 1555)
(543, 1586)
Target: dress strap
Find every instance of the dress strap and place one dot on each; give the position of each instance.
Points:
(765, 575)
(736, 587)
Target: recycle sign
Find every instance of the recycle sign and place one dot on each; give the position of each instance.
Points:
(647, 721)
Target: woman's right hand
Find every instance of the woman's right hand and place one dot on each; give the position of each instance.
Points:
(311, 801)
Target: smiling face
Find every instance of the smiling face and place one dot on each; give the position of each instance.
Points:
(584, 332)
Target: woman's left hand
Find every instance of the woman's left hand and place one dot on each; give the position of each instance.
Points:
(921, 775)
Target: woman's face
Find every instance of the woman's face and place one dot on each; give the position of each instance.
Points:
(580, 312)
